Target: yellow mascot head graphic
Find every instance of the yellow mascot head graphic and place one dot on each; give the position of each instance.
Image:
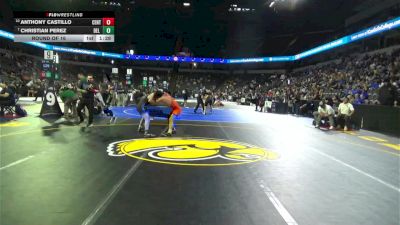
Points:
(190, 151)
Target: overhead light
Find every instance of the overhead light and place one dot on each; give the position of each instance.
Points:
(272, 4)
(186, 4)
(112, 61)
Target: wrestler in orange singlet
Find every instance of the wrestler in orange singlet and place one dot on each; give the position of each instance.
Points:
(161, 98)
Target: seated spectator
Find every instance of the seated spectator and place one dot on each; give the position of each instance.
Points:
(345, 111)
(7, 97)
(358, 100)
(324, 112)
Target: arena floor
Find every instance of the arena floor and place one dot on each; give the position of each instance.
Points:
(265, 169)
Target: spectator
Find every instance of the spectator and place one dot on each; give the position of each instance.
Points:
(122, 92)
(345, 111)
(324, 112)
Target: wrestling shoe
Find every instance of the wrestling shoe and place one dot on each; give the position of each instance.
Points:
(166, 135)
(113, 119)
(173, 130)
(79, 122)
(149, 135)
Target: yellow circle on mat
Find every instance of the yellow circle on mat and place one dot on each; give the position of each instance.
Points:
(191, 151)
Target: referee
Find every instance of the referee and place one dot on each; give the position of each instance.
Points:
(200, 101)
(86, 88)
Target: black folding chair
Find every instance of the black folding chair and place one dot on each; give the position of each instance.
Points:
(9, 108)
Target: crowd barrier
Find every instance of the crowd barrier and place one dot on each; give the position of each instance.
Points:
(383, 119)
(279, 107)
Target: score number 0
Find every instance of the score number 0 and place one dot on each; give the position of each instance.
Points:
(108, 21)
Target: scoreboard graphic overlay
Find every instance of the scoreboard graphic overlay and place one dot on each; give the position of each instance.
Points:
(64, 26)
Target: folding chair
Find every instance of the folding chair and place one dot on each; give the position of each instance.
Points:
(10, 107)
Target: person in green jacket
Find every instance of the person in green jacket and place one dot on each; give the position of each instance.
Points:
(69, 96)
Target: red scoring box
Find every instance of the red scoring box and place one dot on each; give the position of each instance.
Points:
(108, 21)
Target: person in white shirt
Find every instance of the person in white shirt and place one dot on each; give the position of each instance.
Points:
(324, 112)
(345, 111)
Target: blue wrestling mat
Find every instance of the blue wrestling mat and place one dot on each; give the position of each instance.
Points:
(218, 115)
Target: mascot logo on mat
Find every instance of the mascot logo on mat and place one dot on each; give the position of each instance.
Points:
(190, 151)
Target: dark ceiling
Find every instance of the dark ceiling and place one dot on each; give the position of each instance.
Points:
(208, 29)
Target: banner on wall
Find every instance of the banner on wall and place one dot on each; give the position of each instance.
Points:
(377, 29)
